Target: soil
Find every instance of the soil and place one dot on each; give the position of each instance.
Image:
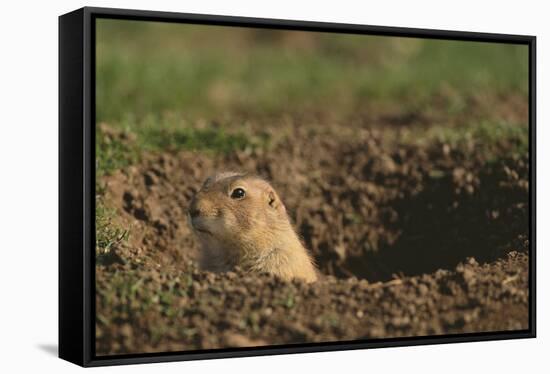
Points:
(412, 239)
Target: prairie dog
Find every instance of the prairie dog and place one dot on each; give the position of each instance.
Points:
(240, 221)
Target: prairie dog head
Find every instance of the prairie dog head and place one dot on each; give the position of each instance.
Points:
(240, 220)
(236, 210)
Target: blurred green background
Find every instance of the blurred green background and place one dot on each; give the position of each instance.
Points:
(214, 88)
(162, 70)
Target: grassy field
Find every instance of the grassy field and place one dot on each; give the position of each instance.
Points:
(395, 157)
(165, 71)
(179, 85)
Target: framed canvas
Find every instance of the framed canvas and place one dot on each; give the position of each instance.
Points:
(237, 186)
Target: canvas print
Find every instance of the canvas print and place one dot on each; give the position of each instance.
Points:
(262, 187)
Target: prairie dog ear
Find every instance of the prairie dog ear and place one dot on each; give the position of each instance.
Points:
(274, 201)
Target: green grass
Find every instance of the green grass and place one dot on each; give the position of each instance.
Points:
(486, 137)
(112, 154)
(157, 81)
(159, 136)
(210, 72)
(108, 235)
(124, 145)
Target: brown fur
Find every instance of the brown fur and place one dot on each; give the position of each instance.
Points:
(254, 232)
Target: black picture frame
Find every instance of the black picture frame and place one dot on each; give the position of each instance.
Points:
(77, 175)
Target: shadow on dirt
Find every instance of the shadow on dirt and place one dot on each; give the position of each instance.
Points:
(454, 217)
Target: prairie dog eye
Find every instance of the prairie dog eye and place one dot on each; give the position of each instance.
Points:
(238, 193)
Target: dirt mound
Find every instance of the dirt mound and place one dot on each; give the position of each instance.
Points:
(362, 207)
(382, 218)
(187, 309)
